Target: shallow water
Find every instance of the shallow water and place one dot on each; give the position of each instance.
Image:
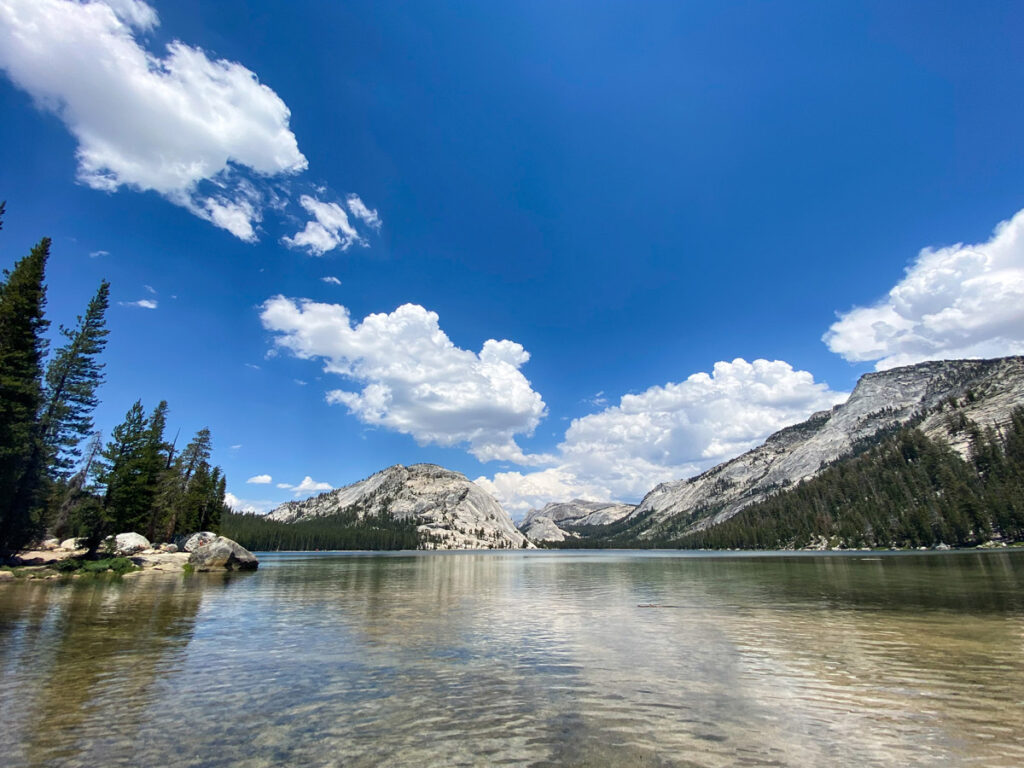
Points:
(547, 658)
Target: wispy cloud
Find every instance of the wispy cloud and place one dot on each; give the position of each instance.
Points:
(200, 131)
(141, 303)
(331, 279)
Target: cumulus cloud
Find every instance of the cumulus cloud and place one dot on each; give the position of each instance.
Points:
(329, 228)
(960, 301)
(257, 507)
(142, 303)
(181, 124)
(668, 432)
(259, 479)
(414, 379)
(307, 486)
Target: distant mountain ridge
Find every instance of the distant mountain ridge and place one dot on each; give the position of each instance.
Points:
(554, 522)
(451, 512)
(983, 391)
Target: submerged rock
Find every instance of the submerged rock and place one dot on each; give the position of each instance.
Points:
(223, 554)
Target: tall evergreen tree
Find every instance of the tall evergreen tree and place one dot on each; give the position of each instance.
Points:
(184, 494)
(72, 378)
(22, 324)
(122, 471)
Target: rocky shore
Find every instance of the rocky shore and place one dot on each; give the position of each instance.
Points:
(130, 555)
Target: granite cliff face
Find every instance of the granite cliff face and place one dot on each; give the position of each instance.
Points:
(554, 521)
(984, 391)
(451, 512)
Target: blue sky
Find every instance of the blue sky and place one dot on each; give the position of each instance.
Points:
(576, 249)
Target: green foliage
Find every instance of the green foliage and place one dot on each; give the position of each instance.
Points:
(72, 377)
(148, 490)
(134, 483)
(906, 491)
(119, 565)
(22, 323)
(342, 531)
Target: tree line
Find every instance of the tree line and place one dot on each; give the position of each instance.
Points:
(341, 531)
(56, 474)
(906, 491)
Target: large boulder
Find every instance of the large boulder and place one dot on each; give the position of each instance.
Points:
(129, 543)
(223, 554)
(48, 545)
(71, 544)
(194, 541)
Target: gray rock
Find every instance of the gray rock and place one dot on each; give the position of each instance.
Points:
(554, 521)
(6, 576)
(451, 512)
(196, 540)
(48, 545)
(984, 391)
(223, 554)
(170, 548)
(129, 543)
(70, 544)
(173, 562)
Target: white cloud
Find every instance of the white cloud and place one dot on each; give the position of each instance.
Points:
(307, 486)
(260, 507)
(415, 380)
(667, 433)
(331, 279)
(183, 125)
(259, 479)
(956, 302)
(329, 229)
(143, 303)
(150, 288)
(97, 254)
(361, 212)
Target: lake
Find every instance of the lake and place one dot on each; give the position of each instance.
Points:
(524, 658)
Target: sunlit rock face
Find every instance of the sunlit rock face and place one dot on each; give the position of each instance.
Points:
(451, 511)
(554, 521)
(984, 391)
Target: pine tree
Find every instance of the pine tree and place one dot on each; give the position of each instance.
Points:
(122, 471)
(156, 461)
(22, 324)
(185, 492)
(72, 378)
(67, 518)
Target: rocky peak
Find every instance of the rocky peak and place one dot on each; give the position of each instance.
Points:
(554, 521)
(984, 391)
(451, 511)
